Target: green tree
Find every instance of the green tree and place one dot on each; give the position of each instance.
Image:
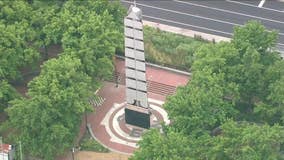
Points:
(48, 120)
(242, 141)
(256, 51)
(93, 39)
(271, 110)
(42, 17)
(254, 35)
(15, 11)
(200, 106)
(157, 146)
(7, 93)
(237, 86)
(16, 46)
(209, 98)
(15, 49)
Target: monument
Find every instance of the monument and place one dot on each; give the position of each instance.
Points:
(137, 107)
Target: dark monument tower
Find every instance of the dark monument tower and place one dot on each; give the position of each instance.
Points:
(136, 110)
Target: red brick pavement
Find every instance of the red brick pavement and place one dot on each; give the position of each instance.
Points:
(117, 95)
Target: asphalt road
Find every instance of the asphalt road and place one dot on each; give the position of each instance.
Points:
(214, 17)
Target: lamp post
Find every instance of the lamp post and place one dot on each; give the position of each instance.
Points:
(72, 151)
(86, 119)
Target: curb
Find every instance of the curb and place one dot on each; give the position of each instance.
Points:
(93, 136)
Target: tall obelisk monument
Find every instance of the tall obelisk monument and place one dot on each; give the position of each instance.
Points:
(136, 111)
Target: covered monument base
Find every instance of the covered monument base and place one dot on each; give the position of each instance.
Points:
(137, 116)
(108, 124)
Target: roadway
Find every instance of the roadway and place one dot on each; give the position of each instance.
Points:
(214, 17)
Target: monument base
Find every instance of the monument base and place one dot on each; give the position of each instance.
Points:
(137, 116)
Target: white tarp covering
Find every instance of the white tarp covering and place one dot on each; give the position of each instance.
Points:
(136, 87)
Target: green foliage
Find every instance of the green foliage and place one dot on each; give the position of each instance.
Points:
(15, 11)
(170, 146)
(242, 141)
(88, 31)
(254, 35)
(271, 110)
(16, 46)
(7, 93)
(15, 49)
(89, 144)
(232, 109)
(48, 121)
(190, 111)
(170, 49)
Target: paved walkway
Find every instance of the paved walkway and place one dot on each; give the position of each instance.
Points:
(107, 122)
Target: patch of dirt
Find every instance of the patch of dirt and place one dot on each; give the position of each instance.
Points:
(3, 116)
(29, 73)
(87, 155)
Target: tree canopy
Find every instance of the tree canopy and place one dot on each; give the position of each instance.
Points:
(233, 106)
(16, 46)
(47, 120)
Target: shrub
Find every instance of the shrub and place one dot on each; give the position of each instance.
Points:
(90, 144)
(170, 49)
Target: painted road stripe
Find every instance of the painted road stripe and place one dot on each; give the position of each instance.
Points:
(275, 10)
(187, 14)
(232, 12)
(201, 17)
(261, 3)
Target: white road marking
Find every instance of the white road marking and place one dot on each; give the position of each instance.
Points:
(201, 17)
(177, 12)
(261, 3)
(232, 12)
(275, 10)
(205, 28)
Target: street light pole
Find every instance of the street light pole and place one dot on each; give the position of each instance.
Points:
(21, 154)
(73, 153)
(86, 120)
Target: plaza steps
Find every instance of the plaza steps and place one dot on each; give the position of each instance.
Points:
(152, 86)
